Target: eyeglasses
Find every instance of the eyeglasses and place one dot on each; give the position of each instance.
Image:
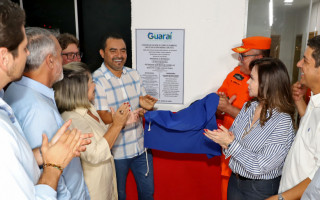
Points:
(71, 55)
(242, 56)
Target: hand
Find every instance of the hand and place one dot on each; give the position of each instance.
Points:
(121, 116)
(225, 102)
(83, 139)
(147, 102)
(298, 91)
(221, 136)
(66, 147)
(134, 116)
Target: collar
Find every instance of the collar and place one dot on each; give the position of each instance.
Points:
(108, 74)
(83, 111)
(315, 100)
(38, 87)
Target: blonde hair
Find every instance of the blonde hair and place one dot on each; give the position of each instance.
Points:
(72, 91)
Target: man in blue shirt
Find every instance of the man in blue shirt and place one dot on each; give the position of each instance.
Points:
(20, 175)
(32, 100)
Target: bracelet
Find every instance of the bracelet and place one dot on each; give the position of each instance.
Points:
(53, 165)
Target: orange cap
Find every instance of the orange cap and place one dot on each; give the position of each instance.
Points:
(255, 42)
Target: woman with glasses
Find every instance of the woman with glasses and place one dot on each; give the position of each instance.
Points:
(73, 96)
(261, 134)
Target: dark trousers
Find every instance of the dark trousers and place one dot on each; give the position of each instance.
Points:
(144, 180)
(240, 188)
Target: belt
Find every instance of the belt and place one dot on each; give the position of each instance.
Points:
(238, 176)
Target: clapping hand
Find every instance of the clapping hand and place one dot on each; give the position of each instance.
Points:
(222, 136)
(147, 102)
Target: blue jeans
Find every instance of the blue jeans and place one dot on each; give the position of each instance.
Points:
(252, 189)
(138, 166)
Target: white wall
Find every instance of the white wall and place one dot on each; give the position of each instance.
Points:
(315, 18)
(212, 28)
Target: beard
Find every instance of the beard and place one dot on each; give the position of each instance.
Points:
(60, 77)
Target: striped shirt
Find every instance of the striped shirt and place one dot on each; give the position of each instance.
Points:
(261, 153)
(112, 91)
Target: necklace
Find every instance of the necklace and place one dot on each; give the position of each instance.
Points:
(246, 131)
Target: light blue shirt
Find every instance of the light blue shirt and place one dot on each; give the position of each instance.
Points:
(19, 171)
(34, 106)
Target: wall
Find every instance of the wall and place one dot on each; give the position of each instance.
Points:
(288, 22)
(212, 28)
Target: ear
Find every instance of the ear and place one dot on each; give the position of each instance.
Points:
(5, 58)
(101, 53)
(49, 61)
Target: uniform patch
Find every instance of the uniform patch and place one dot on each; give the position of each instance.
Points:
(238, 77)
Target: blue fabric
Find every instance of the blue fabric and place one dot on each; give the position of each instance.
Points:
(139, 168)
(239, 189)
(182, 132)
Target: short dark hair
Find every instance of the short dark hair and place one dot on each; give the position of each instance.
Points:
(66, 38)
(274, 90)
(12, 19)
(107, 36)
(314, 43)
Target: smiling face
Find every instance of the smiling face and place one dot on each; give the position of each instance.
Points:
(114, 55)
(253, 83)
(310, 74)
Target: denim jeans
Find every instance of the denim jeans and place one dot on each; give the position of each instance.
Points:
(138, 166)
(252, 189)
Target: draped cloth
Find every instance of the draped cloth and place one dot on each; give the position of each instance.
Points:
(182, 132)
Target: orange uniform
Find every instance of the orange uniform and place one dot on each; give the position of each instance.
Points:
(234, 84)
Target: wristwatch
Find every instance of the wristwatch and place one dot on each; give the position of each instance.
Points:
(280, 197)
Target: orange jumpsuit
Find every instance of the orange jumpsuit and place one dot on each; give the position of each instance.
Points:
(234, 84)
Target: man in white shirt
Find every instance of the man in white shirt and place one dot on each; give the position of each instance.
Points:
(19, 171)
(303, 159)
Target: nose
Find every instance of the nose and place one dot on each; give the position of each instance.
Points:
(300, 63)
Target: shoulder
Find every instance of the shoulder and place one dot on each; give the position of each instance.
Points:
(97, 73)
(70, 115)
(130, 70)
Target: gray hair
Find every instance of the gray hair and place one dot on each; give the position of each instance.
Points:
(40, 44)
(72, 91)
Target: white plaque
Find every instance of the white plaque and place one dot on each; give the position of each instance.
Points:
(160, 63)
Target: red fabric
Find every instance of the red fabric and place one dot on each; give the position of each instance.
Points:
(182, 177)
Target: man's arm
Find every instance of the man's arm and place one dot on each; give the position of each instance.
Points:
(294, 193)
(59, 155)
(225, 105)
(106, 116)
